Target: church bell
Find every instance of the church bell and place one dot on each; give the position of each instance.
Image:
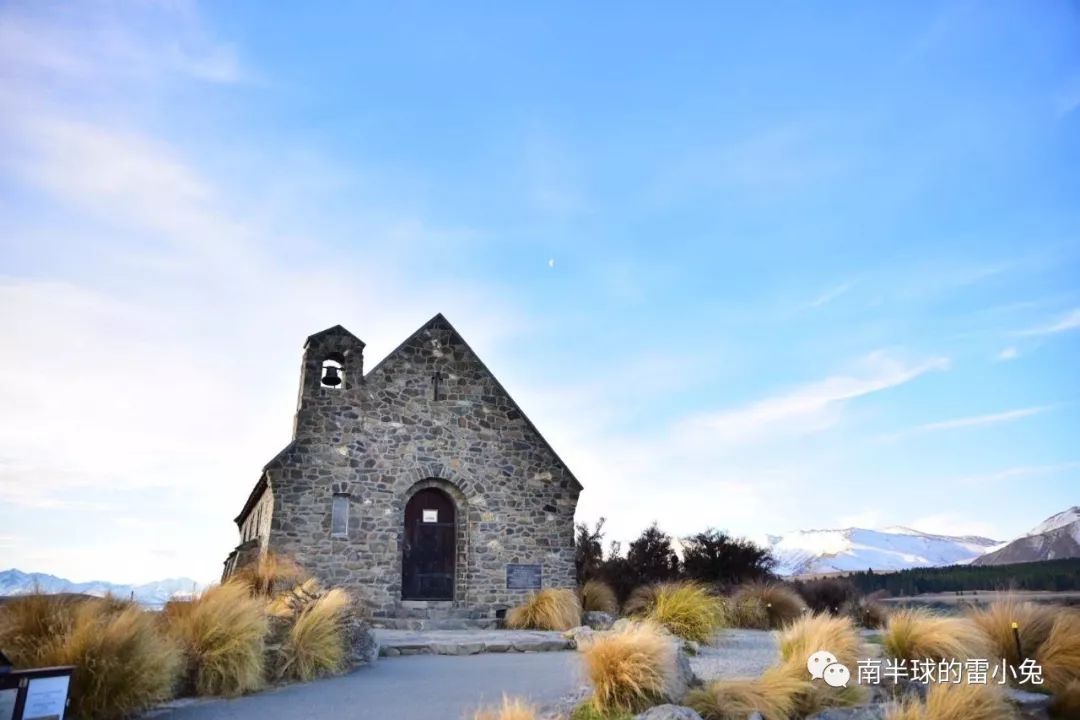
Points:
(331, 377)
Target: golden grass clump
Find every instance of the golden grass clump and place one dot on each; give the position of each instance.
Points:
(548, 609)
(315, 643)
(868, 614)
(956, 701)
(123, 663)
(270, 574)
(510, 709)
(747, 613)
(996, 619)
(688, 610)
(807, 635)
(915, 634)
(772, 695)
(222, 638)
(777, 604)
(597, 596)
(630, 668)
(1059, 654)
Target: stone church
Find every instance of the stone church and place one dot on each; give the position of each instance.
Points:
(420, 485)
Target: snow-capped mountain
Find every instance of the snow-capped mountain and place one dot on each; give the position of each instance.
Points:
(1054, 538)
(153, 594)
(806, 552)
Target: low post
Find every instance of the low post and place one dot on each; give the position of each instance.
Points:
(1016, 638)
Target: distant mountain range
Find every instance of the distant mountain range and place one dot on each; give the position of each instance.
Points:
(1056, 537)
(811, 552)
(153, 594)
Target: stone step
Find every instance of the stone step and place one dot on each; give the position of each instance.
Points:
(448, 623)
(393, 643)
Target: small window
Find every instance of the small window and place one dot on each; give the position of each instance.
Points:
(437, 390)
(339, 515)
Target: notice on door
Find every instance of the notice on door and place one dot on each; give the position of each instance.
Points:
(431, 516)
(524, 577)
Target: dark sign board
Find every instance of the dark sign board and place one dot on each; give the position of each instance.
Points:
(523, 577)
(38, 694)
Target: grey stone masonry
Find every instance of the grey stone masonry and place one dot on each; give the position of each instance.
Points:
(430, 415)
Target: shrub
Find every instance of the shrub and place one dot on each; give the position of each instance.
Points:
(917, 635)
(952, 701)
(588, 550)
(629, 669)
(548, 609)
(510, 709)
(829, 595)
(772, 695)
(716, 558)
(1059, 655)
(269, 575)
(222, 638)
(996, 621)
(748, 613)
(315, 642)
(687, 610)
(123, 663)
(779, 604)
(598, 596)
(652, 558)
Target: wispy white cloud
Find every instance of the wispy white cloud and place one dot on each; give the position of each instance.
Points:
(1019, 471)
(829, 295)
(1007, 354)
(1068, 321)
(810, 407)
(970, 421)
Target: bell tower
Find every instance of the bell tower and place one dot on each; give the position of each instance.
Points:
(331, 382)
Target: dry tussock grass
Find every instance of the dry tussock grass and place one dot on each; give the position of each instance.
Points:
(776, 604)
(123, 663)
(629, 669)
(549, 609)
(772, 695)
(315, 643)
(269, 575)
(510, 709)
(597, 596)
(222, 638)
(915, 634)
(996, 619)
(806, 636)
(688, 610)
(1059, 654)
(951, 701)
(641, 599)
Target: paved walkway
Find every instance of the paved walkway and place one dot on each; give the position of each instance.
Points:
(425, 687)
(468, 642)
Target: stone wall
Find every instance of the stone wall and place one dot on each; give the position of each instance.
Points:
(382, 437)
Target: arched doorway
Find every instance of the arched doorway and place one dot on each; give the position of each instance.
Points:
(430, 547)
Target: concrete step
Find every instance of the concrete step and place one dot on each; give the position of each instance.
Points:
(448, 623)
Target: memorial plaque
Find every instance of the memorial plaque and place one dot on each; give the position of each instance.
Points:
(524, 577)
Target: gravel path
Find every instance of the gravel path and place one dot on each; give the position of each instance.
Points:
(736, 653)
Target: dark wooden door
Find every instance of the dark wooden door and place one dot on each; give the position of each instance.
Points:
(430, 548)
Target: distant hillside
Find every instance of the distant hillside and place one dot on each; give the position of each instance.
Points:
(812, 552)
(1056, 537)
(153, 594)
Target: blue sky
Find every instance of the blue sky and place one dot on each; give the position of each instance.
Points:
(746, 266)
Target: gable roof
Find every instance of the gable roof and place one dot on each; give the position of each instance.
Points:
(335, 330)
(440, 318)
